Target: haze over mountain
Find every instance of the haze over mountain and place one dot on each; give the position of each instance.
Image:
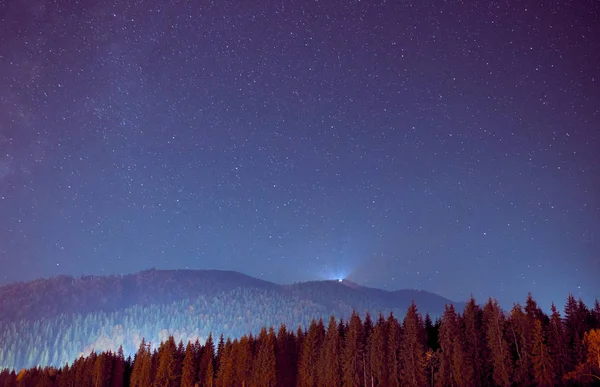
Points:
(54, 320)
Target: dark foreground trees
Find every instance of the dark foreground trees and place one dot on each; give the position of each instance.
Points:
(483, 346)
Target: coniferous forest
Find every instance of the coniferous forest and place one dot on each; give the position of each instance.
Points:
(482, 346)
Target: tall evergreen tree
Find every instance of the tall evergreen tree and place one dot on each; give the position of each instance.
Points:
(287, 358)
(393, 348)
(330, 356)
(242, 360)
(308, 363)
(520, 328)
(167, 372)
(377, 354)
(189, 370)
(352, 354)
(264, 370)
(543, 371)
(453, 370)
(412, 349)
(557, 346)
(575, 324)
(118, 369)
(141, 374)
(494, 325)
(475, 347)
(225, 368)
(207, 361)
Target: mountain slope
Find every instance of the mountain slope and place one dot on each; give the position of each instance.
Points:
(53, 321)
(45, 298)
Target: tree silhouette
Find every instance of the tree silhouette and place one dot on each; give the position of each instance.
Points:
(377, 352)
(286, 357)
(309, 356)
(330, 355)
(475, 346)
(494, 325)
(393, 347)
(207, 361)
(167, 374)
(264, 370)
(353, 351)
(453, 370)
(189, 370)
(412, 349)
(141, 375)
(543, 371)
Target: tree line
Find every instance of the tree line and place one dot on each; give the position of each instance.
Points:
(482, 346)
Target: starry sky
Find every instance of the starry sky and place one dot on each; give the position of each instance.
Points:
(438, 145)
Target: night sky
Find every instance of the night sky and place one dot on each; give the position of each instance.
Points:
(446, 146)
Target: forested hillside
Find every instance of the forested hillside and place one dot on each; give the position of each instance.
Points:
(482, 346)
(50, 322)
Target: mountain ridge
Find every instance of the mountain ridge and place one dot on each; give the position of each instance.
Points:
(48, 297)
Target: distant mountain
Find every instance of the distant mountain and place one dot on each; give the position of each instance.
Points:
(53, 321)
(44, 298)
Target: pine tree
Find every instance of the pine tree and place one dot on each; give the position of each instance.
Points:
(118, 369)
(99, 371)
(209, 376)
(352, 354)
(412, 349)
(189, 371)
(575, 324)
(309, 355)
(242, 355)
(453, 370)
(368, 330)
(286, 358)
(330, 356)
(494, 325)
(166, 374)
(520, 328)
(377, 352)
(141, 374)
(475, 347)
(225, 366)
(393, 348)
(557, 348)
(543, 372)
(264, 370)
(207, 361)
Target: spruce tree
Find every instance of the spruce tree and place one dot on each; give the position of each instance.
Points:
(453, 368)
(412, 349)
(557, 347)
(393, 347)
(543, 370)
(377, 353)
(475, 347)
(189, 371)
(494, 326)
(166, 374)
(207, 361)
(308, 363)
(286, 357)
(330, 356)
(520, 329)
(243, 356)
(141, 374)
(353, 351)
(264, 370)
